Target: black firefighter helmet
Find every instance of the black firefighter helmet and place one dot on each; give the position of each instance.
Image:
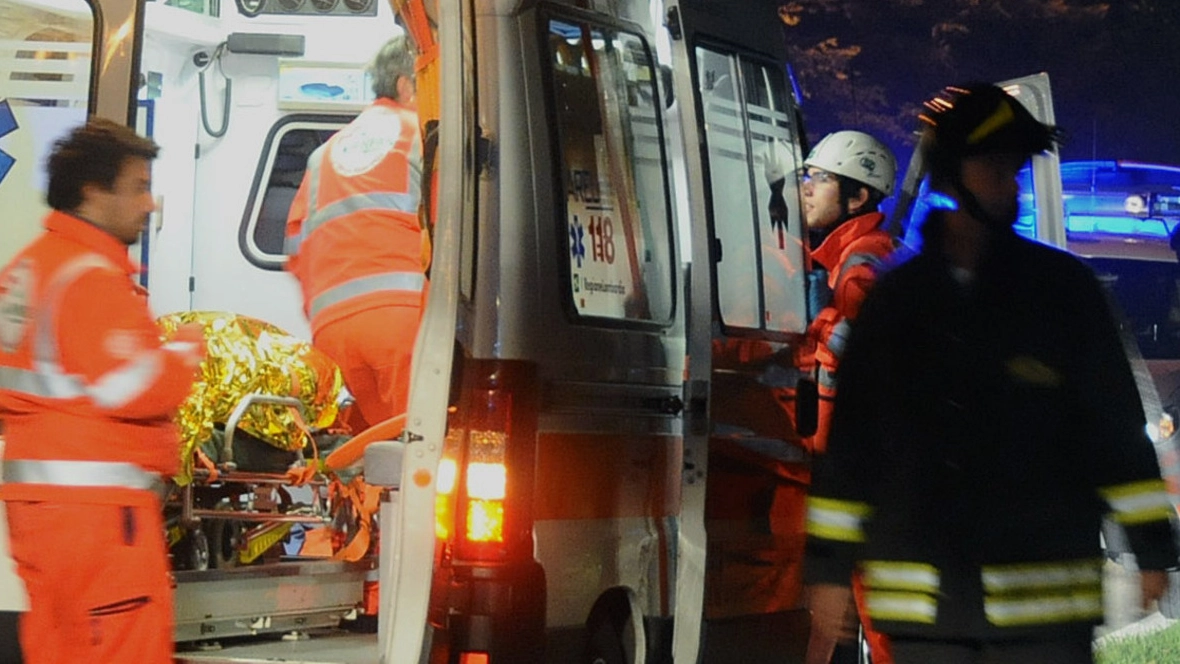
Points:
(976, 119)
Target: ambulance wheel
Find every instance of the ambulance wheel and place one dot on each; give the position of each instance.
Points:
(225, 540)
(615, 634)
(606, 645)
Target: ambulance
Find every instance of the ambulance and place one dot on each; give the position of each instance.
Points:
(604, 457)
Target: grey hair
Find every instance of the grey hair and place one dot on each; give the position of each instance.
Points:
(393, 61)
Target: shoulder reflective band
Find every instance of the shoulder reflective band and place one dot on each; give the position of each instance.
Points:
(840, 520)
(113, 389)
(1040, 593)
(386, 281)
(79, 474)
(1139, 502)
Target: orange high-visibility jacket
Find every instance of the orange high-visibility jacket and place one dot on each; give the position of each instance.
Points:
(87, 388)
(852, 254)
(353, 235)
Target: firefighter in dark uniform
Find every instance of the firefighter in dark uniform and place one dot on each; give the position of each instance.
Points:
(987, 419)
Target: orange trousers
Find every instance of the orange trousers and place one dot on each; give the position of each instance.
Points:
(97, 578)
(373, 349)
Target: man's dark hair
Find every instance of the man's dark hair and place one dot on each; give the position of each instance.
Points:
(93, 153)
(850, 189)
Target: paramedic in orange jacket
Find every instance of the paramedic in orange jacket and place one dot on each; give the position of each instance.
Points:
(847, 175)
(87, 396)
(354, 242)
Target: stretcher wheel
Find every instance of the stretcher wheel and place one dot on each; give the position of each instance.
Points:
(197, 549)
(225, 539)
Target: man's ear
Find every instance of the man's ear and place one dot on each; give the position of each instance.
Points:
(405, 89)
(856, 204)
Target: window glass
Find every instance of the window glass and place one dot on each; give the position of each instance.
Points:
(748, 125)
(1148, 294)
(617, 225)
(284, 161)
(45, 58)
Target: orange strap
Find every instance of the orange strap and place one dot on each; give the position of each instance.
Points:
(354, 450)
(413, 12)
(207, 463)
(363, 500)
(300, 475)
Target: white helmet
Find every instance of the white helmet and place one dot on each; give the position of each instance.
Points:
(856, 155)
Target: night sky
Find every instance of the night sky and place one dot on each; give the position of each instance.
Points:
(1114, 66)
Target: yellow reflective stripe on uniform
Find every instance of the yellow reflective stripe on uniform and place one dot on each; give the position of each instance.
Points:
(1070, 607)
(412, 282)
(841, 520)
(1139, 502)
(902, 606)
(1038, 593)
(890, 575)
(78, 474)
(1075, 574)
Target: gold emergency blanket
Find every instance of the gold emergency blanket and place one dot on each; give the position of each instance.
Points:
(245, 356)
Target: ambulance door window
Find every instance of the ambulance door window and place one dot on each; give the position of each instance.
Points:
(616, 223)
(45, 61)
(748, 126)
(280, 171)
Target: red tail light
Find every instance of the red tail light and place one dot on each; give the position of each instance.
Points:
(485, 478)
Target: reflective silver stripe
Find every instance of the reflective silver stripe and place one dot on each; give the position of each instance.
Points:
(406, 201)
(113, 389)
(1139, 502)
(826, 378)
(386, 281)
(918, 577)
(902, 606)
(856, 260)
(840, 520)
(35, 383)
(1009, 611)
(314, 161)
(45, 344)
(119, 387)
(1080, 574)
(79, 474)
(377, 201)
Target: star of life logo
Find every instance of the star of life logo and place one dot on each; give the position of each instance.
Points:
(359, 147)
(16, 291)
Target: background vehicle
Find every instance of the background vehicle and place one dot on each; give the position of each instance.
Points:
(1121, 219)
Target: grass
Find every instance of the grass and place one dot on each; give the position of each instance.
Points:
(1162, 647)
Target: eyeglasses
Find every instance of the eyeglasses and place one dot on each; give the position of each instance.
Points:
(820, 177)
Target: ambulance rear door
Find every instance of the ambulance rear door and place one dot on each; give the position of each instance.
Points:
(743, 456)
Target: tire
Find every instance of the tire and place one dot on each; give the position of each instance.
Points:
(612, 638)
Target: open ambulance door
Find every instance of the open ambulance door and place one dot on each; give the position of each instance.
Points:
(1042, 210)
(746, 467)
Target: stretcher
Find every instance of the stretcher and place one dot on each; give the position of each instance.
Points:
(265, 540)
